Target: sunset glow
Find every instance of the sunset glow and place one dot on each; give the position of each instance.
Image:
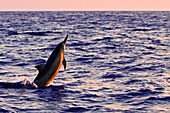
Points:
(83, 5)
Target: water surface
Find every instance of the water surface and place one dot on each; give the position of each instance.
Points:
(117, 61)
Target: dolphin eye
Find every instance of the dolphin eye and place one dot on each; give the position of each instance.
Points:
(63, 46)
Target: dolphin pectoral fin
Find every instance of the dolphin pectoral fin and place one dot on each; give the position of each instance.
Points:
(64, 63)
(40, 67)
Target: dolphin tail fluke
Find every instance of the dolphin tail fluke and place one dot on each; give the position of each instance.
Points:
(65, 39)
(64, 63)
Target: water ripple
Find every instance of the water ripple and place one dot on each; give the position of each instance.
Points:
(116, 61)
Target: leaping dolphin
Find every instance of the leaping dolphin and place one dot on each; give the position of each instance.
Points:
(48, 71)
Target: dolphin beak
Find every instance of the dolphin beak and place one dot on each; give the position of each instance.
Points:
(65, 40)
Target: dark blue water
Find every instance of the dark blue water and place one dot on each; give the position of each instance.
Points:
(116, 61)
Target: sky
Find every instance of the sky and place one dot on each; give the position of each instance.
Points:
(84, 5)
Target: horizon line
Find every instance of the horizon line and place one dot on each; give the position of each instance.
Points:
(75, 10)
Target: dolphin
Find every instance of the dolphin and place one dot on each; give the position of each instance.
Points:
(50, 69)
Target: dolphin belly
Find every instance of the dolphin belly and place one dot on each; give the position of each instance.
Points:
(57, 70)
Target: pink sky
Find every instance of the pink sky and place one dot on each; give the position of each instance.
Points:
(74, 5)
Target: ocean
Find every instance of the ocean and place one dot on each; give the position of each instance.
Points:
(117, 61)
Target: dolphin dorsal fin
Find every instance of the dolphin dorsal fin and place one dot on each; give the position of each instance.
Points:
(64, 63)
(40, 67)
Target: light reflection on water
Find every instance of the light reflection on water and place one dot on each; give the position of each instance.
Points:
(117, 61)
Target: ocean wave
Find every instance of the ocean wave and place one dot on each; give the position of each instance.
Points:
(116, 61)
